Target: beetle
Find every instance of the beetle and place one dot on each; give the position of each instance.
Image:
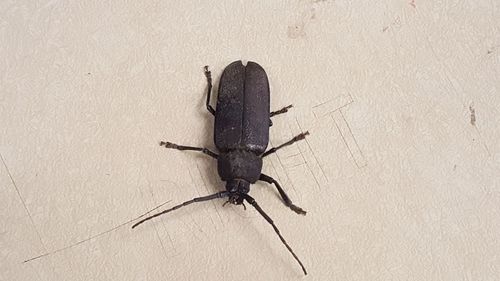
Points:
(242, 121)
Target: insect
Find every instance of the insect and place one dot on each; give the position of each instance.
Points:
(242, 121)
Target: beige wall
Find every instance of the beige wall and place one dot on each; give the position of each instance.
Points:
(399, 181)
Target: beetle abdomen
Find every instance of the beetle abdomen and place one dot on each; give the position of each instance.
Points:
(242, 112)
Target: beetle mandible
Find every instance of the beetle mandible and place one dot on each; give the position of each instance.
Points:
(242, 121)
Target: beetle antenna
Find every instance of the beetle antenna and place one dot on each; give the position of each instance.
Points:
(270, 221)
(194, 200)
(93, 236)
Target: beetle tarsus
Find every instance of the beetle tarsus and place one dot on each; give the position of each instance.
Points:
(297, 209)
(208, 73)
(301, 136)
(169, 145)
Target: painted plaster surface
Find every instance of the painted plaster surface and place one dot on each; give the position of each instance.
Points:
(400, 174)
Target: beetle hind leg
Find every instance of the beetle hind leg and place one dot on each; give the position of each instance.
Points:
(208, 74)
(206, 151)
(283, 194)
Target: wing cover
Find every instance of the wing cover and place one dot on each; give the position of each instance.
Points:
(242, 114)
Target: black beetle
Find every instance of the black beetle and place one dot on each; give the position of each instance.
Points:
(242, 122)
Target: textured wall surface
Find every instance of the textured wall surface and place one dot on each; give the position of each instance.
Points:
(400, 175)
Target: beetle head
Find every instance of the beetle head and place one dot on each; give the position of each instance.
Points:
(235, 199)
(238, 186)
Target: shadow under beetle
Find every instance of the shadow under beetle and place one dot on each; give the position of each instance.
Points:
(242, 121)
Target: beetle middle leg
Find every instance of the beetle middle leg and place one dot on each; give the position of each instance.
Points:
(290, 142)
(208, 74)
(281, 111)
(192, 148)
(283, 194)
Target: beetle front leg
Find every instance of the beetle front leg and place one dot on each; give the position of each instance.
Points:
(183, 147)
(283, 194)
(290, 142)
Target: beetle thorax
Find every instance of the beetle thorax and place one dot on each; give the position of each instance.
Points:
(239, 165)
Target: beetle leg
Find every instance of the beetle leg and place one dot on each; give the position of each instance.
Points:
(183, 147)
(252, 202)
(208, 74)
(283, 194)
(194, 200)
(283, 110)
(295, 139)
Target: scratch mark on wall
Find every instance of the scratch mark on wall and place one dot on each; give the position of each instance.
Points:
(333, 108)
(208, 191)
(296, 165)
(277, 176)
(95, 236)
(332, 105)
(293, 155)
(283, 168)
(304, 160)
(314, 172)
(276, 172)
(196, 184)
(395, 23)
(348, 138)
(163, 222)
(205, 187)
(163, 249)
(23, 203)
(286, 173)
